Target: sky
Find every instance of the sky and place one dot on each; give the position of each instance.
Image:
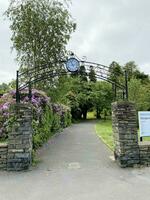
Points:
(107, 30)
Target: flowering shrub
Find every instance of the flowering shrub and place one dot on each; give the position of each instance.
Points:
(64, 113)
(47, 117)
(5, 102)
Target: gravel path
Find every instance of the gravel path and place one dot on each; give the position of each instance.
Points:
(76, 165)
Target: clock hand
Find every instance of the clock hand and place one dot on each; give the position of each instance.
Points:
(72, 64)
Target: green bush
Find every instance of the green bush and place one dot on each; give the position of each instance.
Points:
(42, 128)
(67, 119)
(49, 123)
(56, 123)
(47, 117)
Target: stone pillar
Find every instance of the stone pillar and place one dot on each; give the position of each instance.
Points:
(3, 156)
(20, 139)
(125, 134)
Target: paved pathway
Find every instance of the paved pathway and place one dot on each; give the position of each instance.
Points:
(76, 165)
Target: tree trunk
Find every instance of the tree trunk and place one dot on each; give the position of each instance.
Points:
(84, 114)
(98, 116)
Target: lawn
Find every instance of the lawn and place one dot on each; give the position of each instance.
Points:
(91, 115)
(104, 131)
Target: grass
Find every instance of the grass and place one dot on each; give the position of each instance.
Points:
(104, 131)
(144, 138)
(90, 115)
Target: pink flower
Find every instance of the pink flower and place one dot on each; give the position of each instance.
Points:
(5, 106)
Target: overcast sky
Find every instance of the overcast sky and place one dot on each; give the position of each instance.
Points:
(107, 30)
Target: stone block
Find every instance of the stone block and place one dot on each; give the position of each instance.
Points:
(20, 140)
(125, 134)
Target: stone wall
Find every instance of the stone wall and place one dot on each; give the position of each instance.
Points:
(16, 155)
(3, 156)
(128, 151)
(20, 139)
(144, 148)
(125, 134)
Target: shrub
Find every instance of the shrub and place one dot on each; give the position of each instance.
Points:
(5, 102)
(66, 116)
(48, 118)
(42, 129)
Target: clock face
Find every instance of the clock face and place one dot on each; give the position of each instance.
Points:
(72, 65)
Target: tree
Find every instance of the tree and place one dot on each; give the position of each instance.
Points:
(74, 105)
(4, 88)
(130, 67)
(134, 73)
(79, 97)
(82, 73)
(139, 94)
(116, 75)
(12, 84)
(84, 98)
(58, 92)
(40, 32)
(116, 72)
(92, 75)
(142, 76)
(101, 97)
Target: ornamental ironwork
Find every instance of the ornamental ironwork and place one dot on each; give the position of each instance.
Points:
(71, 65)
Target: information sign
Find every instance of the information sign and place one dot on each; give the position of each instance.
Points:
(144, 123)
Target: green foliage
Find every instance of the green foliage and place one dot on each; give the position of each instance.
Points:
(101, 97)
(117, 75)
(92, 75)
(82, 73)
(47, 117)
(134, 73)
(139, 94)
(131, 69)
(4, 88)
(50, 123)
(79, 97)
(40, 32)
(58, 91)
(86, 95)
(116, 72)
(66, 119)
(74, 104)
(56, 123)
(42, 129)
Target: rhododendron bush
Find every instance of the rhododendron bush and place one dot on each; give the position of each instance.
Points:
(47, 117)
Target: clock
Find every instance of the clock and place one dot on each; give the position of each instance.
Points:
(72, 65)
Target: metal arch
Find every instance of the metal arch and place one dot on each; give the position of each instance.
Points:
(48, 74)
(101, 70)
(52, 75)
(42, 67)
(43, 72)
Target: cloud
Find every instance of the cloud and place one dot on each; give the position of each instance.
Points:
(8, 66)
(112, 30)
(107, 30)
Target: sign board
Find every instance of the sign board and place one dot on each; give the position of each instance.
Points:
(144, 123)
